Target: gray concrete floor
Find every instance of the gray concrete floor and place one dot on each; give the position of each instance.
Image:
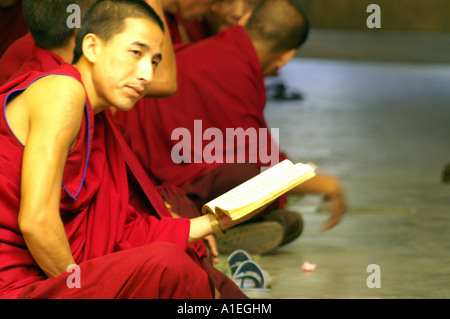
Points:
(383, 128)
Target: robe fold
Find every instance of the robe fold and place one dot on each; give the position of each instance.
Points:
(172, 25)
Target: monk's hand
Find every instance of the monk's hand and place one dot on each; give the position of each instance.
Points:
(335, 198)
(211, 245)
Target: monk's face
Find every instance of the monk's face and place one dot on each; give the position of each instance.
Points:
(191, 10)
(226, 13)
(125, 64)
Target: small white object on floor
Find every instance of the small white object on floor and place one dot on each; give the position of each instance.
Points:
(307, 266)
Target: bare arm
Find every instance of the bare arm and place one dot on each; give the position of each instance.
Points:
(330, 187)
(165, 81)
(54, 106)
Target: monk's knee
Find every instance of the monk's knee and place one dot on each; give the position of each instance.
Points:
(179, 276)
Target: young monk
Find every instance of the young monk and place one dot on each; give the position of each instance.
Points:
(224, 89)
(65, 198)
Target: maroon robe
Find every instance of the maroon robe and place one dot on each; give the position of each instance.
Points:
(95, 208)
(196, 30)
(172, 25)
(12, 25)
(16, 56)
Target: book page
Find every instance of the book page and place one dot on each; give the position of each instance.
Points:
(262, 189)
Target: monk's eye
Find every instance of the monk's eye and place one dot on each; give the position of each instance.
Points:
(136, 53)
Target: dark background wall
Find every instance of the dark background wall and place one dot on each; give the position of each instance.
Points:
(396, 15)
(411, 31)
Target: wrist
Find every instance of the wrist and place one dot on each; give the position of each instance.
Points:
(215, 225)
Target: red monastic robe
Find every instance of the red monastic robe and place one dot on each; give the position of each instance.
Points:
(12, 26)
(16, 56)
(196, 30)
(172, 25)
(95, 207)
(221, 85)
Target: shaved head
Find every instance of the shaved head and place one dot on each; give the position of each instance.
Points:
(47, 21)
(278, 25)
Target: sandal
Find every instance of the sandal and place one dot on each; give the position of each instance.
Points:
(239, 256)
(236, 258)
(250, 279)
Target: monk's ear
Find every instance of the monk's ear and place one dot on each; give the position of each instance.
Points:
(285, 58)
(91, 47)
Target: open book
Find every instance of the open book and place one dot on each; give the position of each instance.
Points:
(261, 189)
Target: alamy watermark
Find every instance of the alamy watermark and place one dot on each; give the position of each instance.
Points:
(74, 279)
(235, 145)
(374, 279)
(74, 19)
(374, 19)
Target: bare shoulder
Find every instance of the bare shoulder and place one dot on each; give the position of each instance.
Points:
(55, 90)
(54, 103)
(53, 97)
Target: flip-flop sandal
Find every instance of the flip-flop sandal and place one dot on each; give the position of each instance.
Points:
(236, 258)
(250, 279)
(239, 256)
